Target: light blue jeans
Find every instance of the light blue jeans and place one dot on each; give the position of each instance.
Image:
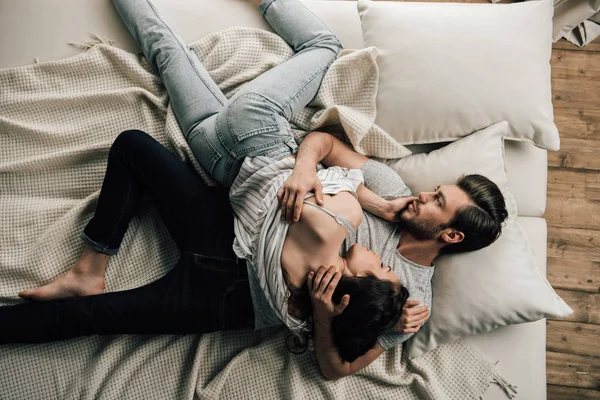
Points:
(254, 122)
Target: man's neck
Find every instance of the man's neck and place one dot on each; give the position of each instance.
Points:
(422, 252)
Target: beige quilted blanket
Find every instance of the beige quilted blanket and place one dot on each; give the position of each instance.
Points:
(57, 122)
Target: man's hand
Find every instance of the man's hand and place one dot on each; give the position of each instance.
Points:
(321, 287)
(412, 318)
(396, 206)
(291, 195)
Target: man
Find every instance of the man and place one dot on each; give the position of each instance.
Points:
(408, 235)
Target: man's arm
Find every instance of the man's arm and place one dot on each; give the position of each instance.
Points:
(315, 148)
(323, 147)
(327, 149)
(321, 287)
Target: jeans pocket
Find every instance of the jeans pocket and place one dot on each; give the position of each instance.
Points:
(203, 149)
(215, 263)
(250, 115)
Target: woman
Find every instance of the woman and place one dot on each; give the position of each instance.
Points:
(209, 280)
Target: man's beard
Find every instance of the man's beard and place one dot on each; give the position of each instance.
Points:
(421, 230)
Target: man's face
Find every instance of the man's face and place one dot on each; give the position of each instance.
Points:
(425, 216)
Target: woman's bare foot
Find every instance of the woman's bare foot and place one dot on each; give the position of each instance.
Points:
(85, 278)
(66, 286)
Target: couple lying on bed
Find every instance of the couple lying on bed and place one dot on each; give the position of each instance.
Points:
(285, 265)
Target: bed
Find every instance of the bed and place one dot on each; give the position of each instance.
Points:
(34, 31)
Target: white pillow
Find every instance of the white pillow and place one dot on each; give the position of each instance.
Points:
(482, 290)
(449, 69)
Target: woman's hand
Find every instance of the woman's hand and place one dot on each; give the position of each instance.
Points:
(396, 206)
(291, 195)
(412, 318)
(321, 287)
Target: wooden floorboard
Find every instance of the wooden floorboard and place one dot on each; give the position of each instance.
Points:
(571, 393)
(573, 183)
(564, 44)
(572, 212)
(573, 338)
(573, 370)
(574, 275)
(576, 153)
(573, 244)
(577, 123)
(581, 66)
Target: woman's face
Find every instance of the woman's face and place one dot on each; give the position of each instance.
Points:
(361, 261)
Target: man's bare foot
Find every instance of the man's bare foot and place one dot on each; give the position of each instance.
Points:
(69, 285)
(85, 278)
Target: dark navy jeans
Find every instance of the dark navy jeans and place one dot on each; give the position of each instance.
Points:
(206, 291)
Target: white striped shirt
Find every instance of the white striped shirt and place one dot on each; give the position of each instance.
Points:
(260, 231)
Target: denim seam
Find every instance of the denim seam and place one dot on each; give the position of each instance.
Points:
(267, 7)
(227, 179)
(213, 161)
(242, 153)
(198, 257)
(198, 260)
(257, 131)
(231, 154)
(307, 9)
(185, 50)
(245, 152)
(326, 27)
(194, 133)
(310, 80)
(102, 247)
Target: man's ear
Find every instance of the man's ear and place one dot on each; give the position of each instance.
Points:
(452, 236)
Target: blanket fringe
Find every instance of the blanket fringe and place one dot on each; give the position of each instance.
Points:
(509, 389)
(97, 40)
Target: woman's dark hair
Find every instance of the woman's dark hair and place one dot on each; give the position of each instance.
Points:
(375, 306)
(482, 222)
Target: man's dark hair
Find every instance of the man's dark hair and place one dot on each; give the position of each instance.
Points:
(375, 307)
(482, 222)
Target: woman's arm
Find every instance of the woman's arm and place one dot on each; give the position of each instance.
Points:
(321, 287)
(331, 364)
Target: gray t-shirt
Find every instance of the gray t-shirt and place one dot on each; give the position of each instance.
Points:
(382, 237)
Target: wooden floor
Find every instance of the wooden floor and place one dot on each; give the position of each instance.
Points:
(573, 217)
